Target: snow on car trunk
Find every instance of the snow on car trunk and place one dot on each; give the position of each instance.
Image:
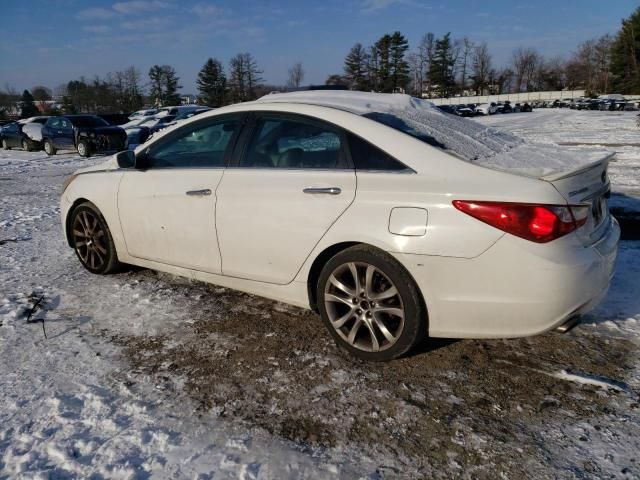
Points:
(463, 138)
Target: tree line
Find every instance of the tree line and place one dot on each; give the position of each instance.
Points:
(436, 67)
(442, 67)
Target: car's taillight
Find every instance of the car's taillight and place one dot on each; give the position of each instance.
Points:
(538, 223)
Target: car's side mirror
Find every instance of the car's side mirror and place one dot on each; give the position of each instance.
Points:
(126, 159)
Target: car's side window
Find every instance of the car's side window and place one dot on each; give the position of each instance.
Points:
(194, 146)
(367, 157)
(294, 143)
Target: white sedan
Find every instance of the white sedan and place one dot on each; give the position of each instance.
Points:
(390, 218)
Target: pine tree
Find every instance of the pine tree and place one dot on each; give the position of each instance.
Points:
(355, 68)
(155, 87)
(171, 86)
(383, 53)
(212, 83)
(441, 70)
(164, 85)
(625, 56)
(28, 108)
(398, 66)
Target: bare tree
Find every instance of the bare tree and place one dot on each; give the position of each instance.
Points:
(466, 50)
(480, 77)
(525, 61)
(296, 75)
(244, 77)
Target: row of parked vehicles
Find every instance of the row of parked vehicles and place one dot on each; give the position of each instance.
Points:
(600, 104)
(473, 110)
(89, 134)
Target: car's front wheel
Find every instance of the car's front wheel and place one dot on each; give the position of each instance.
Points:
(370, 304)
(5, 145)
(26, 146)
(84, 149)
(92, 241)
(49, 149)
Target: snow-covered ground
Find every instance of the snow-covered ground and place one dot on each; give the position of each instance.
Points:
(144, 375)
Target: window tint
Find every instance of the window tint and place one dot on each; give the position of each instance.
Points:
(54, 123)
(196, 146)
(367, 157)
(285, 143)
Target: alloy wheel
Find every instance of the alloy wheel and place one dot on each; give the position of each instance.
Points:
(47, 148)
(82, 149)
(364, 306)
(89, 240)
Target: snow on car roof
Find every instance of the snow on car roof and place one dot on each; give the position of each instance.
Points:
(465, 138)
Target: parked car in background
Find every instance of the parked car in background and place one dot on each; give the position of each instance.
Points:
(146, 112)
(191, 113)
(87, 134)
(464, 111)
(139, 133)
(178, 110)
(114, 118)
(445, 108)
(328, 201)
(12, 136)
(487, 108)
(32, 127)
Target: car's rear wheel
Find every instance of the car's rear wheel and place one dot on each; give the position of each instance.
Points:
(92, 241)
(25, 146)
(49, 149)
(370, 304)
(84, 149)
(5, 145)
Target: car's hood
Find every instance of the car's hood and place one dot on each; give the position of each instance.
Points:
(110, 164)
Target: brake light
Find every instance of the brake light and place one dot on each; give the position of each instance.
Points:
(537, 223)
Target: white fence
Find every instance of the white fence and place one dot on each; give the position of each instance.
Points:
(512, 97)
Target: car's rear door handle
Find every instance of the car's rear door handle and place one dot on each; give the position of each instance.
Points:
(325, 190)
(199, 193)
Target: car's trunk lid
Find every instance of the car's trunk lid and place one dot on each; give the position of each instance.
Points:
(587, 185)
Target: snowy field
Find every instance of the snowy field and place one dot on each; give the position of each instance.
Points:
(145, 375)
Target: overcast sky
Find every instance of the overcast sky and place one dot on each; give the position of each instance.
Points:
(50, 42)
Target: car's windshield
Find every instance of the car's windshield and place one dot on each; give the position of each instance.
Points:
(88, 121)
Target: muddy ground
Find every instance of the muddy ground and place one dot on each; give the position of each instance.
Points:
(476, 409)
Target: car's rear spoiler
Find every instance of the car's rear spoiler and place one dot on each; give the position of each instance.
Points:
(582, 168)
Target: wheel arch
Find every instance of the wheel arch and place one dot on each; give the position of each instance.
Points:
(323, 257)
(67, 220)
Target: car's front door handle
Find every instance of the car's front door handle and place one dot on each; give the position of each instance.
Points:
(325, 190)
(199, 193)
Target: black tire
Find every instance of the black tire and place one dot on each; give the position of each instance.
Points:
(49, 149)
(84, 148)
(92, 240)
(407, 330)
(5, 145)
(26, 145)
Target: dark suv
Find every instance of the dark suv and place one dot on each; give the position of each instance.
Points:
(85, 133)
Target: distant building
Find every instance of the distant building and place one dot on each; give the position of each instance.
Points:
(189, 99)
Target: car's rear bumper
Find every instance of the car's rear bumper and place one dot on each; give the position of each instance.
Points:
(516, 288)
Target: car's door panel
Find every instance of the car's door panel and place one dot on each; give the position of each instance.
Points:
(167, 212)
(64, 134)
(269, 218)
(163, 223)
